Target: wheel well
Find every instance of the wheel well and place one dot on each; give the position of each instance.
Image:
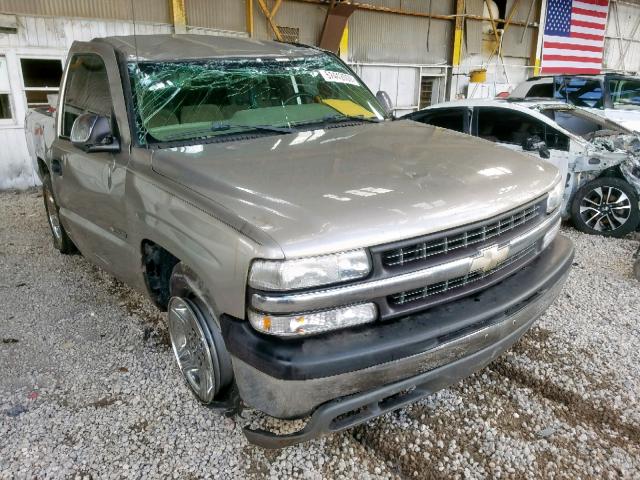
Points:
(158, 264)
(42, 167)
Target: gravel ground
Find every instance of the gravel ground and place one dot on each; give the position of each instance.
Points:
(89, 388)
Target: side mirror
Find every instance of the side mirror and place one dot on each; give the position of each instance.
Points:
(534, 143)
(92, 133)
(385, 100)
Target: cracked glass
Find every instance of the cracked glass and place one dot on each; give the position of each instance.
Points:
(188, 101)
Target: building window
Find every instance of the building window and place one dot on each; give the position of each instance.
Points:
(426, 91)
(41, 78)
(5, 92)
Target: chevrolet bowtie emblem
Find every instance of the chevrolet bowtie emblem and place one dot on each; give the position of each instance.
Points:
(489, 258)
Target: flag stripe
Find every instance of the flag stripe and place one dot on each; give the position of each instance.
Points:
(571, 58)
(565, 63)
(602, 3)
(587, 36)
(573, 41)
(594, 8)
(569, 53)
(589, 25)
(598, 22)
(569, 46)
(570, 70)
(583, 11)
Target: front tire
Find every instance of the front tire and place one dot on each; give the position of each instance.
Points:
(196, 338)
(61, 240)
(606, 206)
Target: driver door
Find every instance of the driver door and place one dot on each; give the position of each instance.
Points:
(90, 187)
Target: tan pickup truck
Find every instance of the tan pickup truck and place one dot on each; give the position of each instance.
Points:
(315, 257)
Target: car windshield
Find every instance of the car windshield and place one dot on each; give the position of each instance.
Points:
(182, 101)
(625, 93)
(582, 123)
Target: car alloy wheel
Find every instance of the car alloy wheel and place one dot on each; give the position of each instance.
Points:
(192, 350)
(605, 208)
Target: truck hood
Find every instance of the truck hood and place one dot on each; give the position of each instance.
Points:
(322, 191)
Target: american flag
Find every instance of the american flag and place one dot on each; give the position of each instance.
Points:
(574, 36)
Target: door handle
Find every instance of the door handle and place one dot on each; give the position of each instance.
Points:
(56, 166)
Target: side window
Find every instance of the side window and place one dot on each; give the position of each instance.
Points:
(579, 91)
(541, 90)
(514, 127)
(86, 90)
(451, 118)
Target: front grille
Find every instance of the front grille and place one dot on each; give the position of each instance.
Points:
(495, 230)
(448, 286)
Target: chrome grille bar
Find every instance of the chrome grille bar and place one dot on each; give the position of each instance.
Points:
(475, 236)
(380, 288)
(405, 297)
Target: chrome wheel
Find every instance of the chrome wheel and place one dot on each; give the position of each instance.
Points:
(191, 348)
(605, 208)
(52, 214)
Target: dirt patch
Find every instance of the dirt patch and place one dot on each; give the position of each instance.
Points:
(104, 402)
(577, 409)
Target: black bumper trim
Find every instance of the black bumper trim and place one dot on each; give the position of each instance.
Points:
(352, 410)
(381, 342)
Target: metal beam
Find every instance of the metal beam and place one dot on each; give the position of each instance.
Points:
(270, 13)
(536, 55)
(179, 16)
(400, 11)
(249, 17)
(458, 34)
(514, 9)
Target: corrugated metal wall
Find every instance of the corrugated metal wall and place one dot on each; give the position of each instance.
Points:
(154, 11)
(380, 37)
(308, 18)
(220, 14)
(622, 48)
(371, 40)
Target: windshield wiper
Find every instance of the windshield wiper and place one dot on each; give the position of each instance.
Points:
(224, 127)
(338, 118)
(358, 118)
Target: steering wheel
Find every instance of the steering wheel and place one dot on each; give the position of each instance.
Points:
(298, 95)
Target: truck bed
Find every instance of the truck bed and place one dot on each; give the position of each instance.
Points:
(40, 131)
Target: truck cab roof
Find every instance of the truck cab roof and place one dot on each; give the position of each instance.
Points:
(170, 47)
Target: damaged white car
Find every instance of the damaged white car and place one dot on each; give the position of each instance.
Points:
(599, 158)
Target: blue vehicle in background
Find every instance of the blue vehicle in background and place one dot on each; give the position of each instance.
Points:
(614, 96)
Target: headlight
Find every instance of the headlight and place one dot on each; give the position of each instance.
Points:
(554, 200)
(315, 322)
(310, 271)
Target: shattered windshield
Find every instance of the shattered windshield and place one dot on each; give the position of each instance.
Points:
(625, 93)
(181, 101)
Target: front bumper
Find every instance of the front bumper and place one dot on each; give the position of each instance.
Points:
(428, 350)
